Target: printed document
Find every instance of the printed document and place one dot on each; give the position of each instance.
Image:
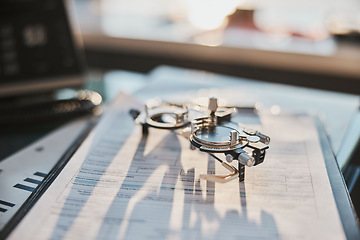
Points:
(121, 184)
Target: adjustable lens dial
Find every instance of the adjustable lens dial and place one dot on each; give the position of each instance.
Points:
(216, 138)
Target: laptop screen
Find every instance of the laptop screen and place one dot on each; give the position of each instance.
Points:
(38, 52)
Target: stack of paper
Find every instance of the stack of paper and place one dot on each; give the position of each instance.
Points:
(123, 185)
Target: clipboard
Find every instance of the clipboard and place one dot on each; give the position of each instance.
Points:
(346, 210)
(338, 186)
(50, 177)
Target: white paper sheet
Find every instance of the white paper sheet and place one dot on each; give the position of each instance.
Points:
(121, 185)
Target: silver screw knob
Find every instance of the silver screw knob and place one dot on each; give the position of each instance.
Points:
(246, 160)
(213, 105)
(263, 138)
(233, 137)
(229, 158)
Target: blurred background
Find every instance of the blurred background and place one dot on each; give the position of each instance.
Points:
(308, 43)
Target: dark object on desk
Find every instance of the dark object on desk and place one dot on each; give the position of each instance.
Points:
(50, 111)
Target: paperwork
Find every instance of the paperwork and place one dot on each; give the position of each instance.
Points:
(122, 185)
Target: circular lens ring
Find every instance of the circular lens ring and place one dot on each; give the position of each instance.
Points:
(157, 115)
(212, 141)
